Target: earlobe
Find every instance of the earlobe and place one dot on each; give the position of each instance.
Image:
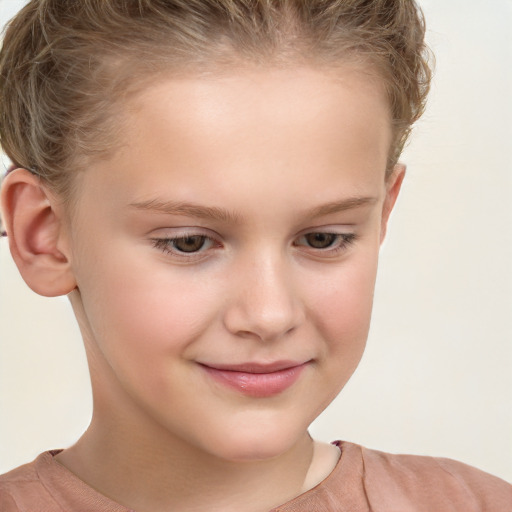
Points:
(393, 185)
(35, 231)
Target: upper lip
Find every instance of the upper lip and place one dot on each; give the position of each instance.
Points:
(255, 367)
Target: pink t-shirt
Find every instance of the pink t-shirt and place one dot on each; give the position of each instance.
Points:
(363, 481)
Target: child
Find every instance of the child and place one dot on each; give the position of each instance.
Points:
(209, 181)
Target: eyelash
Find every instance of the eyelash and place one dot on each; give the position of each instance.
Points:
(340, 243)
(166, 245)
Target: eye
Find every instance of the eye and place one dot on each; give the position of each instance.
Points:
(320, 240)
(184, 245)
(330, 243)
(189, 243)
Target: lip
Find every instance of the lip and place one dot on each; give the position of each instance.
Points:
(256, 379)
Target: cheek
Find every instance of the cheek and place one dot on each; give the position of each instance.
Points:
(345, 296)
(140, 314)
(339, 309)
(342, 312)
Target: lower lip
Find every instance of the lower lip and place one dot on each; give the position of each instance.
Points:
(259, 385)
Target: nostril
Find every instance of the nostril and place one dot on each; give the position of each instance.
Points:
(266, 322)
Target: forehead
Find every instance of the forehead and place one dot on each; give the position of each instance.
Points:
(253, 128)
(249, 96)
(265, 105)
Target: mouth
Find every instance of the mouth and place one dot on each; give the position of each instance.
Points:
(255, 379)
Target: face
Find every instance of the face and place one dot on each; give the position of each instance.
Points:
(225, 256)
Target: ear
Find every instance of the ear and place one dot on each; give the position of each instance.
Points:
(36, 234)
(393, 185)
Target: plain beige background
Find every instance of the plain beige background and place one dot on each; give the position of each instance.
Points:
(437, 375)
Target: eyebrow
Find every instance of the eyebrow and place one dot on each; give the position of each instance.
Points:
(223, 215)
(341, 206)
(188, 210)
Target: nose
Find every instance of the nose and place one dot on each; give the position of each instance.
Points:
(264, 300)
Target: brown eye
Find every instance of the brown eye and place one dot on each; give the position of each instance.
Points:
(189, 243)
(321, 240)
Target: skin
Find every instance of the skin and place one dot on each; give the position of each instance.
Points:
(283, 153)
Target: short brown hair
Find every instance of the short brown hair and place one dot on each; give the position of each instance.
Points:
(65, 64)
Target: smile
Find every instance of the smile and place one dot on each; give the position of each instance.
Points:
(257, 380)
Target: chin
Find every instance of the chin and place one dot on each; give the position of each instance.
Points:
(257, 443)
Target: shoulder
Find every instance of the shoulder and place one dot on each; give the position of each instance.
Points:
(440, 484)
(21, 489)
